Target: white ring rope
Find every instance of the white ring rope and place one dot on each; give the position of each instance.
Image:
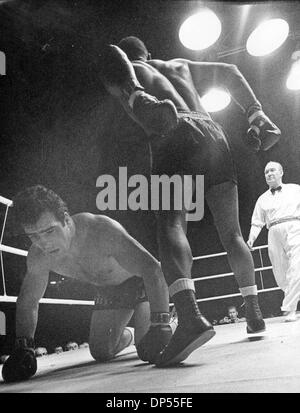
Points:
(13, 250)
(219, 254)
(17, 251)
(13, 299)
(227, 274)
(5, 201)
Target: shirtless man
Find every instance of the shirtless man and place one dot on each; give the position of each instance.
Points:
(193, 144)
(97, 250)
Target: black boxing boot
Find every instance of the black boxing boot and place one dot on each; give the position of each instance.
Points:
(254, 318)
(193, 329)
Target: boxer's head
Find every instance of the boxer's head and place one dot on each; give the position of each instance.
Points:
(134, 48)
(44, 217)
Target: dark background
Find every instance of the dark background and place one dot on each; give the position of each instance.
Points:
(59, 128)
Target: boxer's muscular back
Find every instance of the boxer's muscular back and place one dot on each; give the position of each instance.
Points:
(169, 79)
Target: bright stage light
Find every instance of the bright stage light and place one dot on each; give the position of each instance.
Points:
(267, 37)
(215, 100)
(201, 30)
(293, 81)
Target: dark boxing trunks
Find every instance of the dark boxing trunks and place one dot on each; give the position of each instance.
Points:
(198, 146)
(126, 295)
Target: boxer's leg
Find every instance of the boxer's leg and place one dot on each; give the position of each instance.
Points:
(222, 200)
(193, 329)
(141, 320)
(108, 335)
(174, 248)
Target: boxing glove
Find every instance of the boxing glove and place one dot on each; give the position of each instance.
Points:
(154, 341)
(117, 72)
(155, 116)
(22, 364)
(262, 134)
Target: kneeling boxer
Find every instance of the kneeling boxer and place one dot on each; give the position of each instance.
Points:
(97, 250)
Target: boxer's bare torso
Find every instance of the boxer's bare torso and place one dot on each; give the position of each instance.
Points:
(182, 81)
(87, 255)
(170, 79)
(104, 270)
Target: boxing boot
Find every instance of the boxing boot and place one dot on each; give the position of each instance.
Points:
(193, 330)
(254, 318)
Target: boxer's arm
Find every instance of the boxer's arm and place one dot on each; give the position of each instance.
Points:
(226, 75)
(119, 78)
(32, 290)
(263, 134)
(134, 258)
(22, 364)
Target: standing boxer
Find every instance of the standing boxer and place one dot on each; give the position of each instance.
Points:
(279, 209)
(97, 250)
(192, 145)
